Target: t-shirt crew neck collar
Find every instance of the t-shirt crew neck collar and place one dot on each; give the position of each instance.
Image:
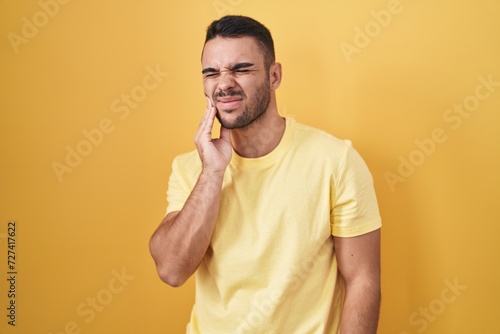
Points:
(271, 157)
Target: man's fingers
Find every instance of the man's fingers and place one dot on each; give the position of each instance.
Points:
(225, 133)
(207, 122)
(205, 114)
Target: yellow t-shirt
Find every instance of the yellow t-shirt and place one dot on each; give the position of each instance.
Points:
(271, 265)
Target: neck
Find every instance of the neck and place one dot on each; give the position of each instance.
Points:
(261, 137)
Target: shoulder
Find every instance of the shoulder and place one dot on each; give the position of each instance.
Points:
(189, 161)
(318, 139)
(323, 148)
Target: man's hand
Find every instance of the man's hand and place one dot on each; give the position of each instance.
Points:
(215, 153)
(183, 237)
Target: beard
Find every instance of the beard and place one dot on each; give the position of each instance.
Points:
(252, 112)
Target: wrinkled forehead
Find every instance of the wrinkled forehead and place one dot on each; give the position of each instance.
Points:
(222, 52)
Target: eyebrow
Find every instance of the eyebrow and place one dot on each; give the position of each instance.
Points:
(240, 66)
(236, 67)
(208, 70)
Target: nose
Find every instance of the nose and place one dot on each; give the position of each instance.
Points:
(226, 81)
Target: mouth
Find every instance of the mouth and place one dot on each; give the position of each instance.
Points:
(229, 102)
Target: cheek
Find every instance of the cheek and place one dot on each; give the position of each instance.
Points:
(251, 88)
(208, 89)
(248, 86)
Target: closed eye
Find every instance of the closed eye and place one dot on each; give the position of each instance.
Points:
(211, 74)
(242, 71)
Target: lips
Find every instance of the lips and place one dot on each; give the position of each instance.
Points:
(229, 102)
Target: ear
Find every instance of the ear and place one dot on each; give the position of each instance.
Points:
(275, 75)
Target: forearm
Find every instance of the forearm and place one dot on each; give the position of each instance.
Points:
(179, 244)
(361, 307)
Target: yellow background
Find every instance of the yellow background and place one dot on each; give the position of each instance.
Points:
(441, 224)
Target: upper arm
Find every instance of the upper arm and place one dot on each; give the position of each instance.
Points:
(354, 208)
(185, 171)
(359, 257)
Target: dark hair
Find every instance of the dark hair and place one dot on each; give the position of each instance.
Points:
(240, 26)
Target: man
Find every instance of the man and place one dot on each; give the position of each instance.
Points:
(278, 220)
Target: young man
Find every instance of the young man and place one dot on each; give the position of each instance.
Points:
(278, 220)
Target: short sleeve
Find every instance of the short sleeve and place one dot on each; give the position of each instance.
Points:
(178, 191)
(354, 203)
